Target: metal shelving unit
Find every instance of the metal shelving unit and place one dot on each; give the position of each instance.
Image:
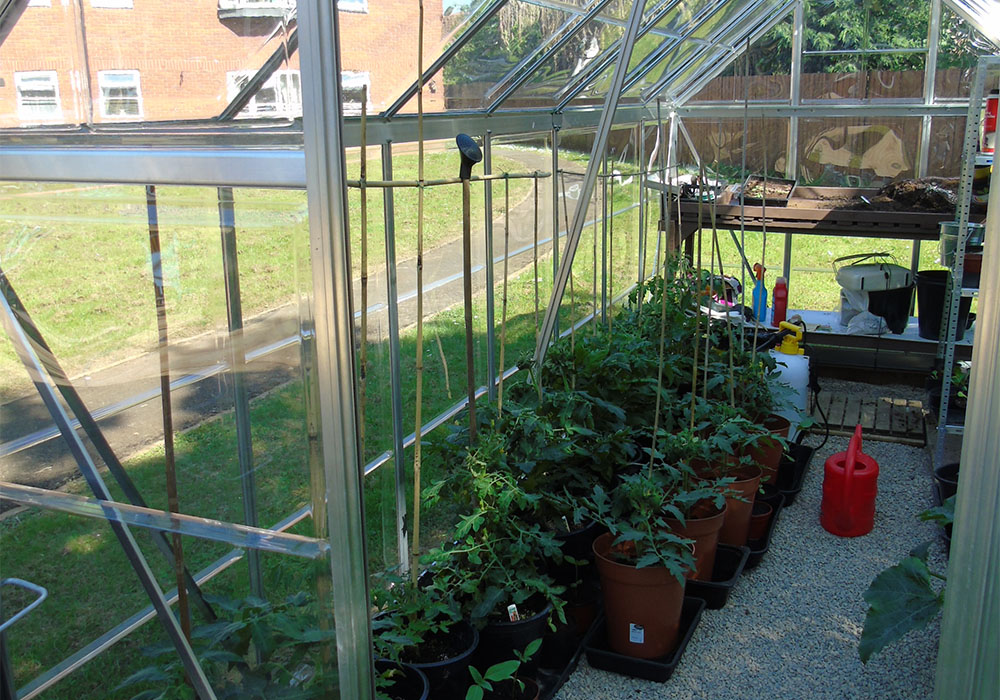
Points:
(988, 69)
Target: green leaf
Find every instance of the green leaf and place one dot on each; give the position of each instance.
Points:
(149, 674)
(474, 693)
(477, 677)
(532, 649)
(649, 559)
(502, 671)
(901, 600)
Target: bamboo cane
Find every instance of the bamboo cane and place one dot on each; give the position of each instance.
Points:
(169, 461)
(415, 547)
(444, 363)
(503, 312)
(711, 275)
(536, 175)
(572, 291)
(611, 249)
(363, 403)
(697, 316)
(535, 256)
(471, 154)
(663, 332)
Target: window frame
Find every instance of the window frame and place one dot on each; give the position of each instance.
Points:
(283, 109)
(20, 77)
(111, 4)
(365, 78)
(103, 101)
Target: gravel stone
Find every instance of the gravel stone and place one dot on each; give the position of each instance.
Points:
(791, 626)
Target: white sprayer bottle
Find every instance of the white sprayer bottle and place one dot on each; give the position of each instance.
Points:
(793, 372)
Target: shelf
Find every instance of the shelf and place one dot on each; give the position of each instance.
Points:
(953, 429)
(970, 291)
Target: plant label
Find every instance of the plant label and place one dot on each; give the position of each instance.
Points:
(636, 634)
(512, 613)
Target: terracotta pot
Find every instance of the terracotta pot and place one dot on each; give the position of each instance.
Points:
(767, 452)
(736, 523)
(643, 606)
(703, 527)
(760, 519)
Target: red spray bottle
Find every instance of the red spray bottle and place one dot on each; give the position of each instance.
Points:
(780, 302)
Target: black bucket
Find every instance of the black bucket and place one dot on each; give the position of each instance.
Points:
(931, 286)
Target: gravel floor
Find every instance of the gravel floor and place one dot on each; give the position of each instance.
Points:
(791, 626)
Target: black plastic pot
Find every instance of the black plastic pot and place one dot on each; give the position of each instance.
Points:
(449, 678)
(599, 655)
(792, 471)
(409, 682)
(498, 640)
(758, 548)
(729, 564)
(893, 305)
(577, 544)
(946, 477)
(931, 286)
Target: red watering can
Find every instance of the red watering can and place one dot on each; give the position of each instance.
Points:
(850, 484)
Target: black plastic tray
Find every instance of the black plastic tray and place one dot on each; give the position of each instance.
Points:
(792, 471)
(660, 669)
(729, 563)
(768, 201)
(758, 548)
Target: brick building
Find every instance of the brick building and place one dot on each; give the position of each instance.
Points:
(106, 61)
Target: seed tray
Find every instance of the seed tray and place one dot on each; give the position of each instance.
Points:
(599, 655)
(729, 564)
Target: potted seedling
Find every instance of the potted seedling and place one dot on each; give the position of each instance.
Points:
(418, 625)
(641, 562)
(495, 562)
(501, 681)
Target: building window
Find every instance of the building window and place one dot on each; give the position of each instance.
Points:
(37, 95)
(280, 96)
(112, 4)
(120, 94)
(352, 5)
(352, 83)
(39, 3)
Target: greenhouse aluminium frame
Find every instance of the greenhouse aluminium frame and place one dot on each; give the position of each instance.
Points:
(161, 154)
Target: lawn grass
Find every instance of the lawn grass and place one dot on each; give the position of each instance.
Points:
(79, 255)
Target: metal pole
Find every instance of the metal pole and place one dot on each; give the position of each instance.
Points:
(471, 154)
(238, 369)
(395, 371)
(604, 238)
(337, 473)
(792, 154)
(587, 186)
(29, 358)
(491, 349)
(556, 126)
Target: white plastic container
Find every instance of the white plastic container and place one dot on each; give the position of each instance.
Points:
(793, 372)
(874, 277)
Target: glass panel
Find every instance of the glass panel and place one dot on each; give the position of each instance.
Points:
(862, 51)
(572, 61)
(857, 152)
(82, 259)
(770, 59)
(959, 48)
(517, 30)
(944, 159)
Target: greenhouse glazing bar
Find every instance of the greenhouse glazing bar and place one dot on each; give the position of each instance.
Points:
(335, 464)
